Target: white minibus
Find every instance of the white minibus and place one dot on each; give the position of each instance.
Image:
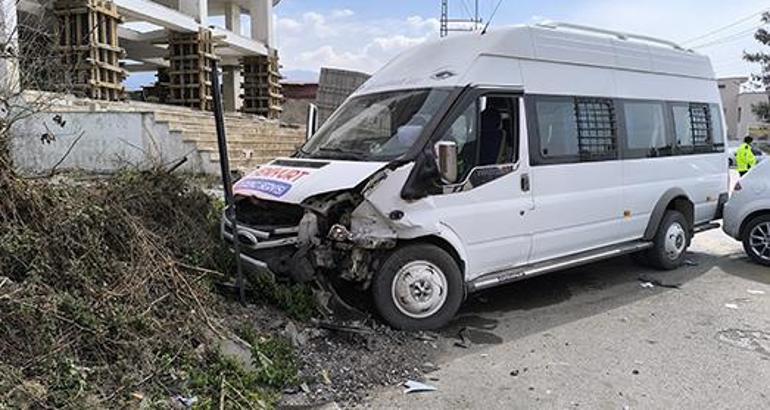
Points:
(482, 159)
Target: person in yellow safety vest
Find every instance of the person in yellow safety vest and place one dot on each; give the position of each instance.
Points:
(744, 157)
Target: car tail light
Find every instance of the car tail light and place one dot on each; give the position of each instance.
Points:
(738, 186)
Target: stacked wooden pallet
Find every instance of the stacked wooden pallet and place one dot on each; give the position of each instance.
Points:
(189, 74)
(88, 46)
(261, 86)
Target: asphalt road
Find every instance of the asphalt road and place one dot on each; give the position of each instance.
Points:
(594, 337)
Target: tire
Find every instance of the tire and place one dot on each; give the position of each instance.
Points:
(755, 235)
(670, 242)
(415, 272)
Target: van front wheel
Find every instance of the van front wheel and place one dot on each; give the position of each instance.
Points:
(418, 287)
(670, 243)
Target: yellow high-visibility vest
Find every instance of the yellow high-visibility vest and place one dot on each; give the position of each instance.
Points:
(744, 158)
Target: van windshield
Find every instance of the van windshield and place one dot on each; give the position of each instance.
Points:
(376, 127)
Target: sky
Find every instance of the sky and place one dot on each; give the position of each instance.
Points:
(364, 34)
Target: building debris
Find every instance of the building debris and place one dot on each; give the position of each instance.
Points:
(648, 282)
(465, 341)
(417, 387)
(186, 402)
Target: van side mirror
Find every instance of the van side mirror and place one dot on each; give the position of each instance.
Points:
(311, 123)
(446, 160)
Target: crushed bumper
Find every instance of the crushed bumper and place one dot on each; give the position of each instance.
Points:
(262, 251)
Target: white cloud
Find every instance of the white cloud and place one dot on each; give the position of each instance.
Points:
(421, 23)
(397, 42)
(287, 25)
(342, 13)
(314, 40)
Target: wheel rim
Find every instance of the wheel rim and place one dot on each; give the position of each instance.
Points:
(676, 240)
(759, 240)
(419, 289)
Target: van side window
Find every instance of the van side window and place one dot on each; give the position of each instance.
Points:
(716, 128)
(557, 128)
(485, 133)
(693, 128)
(645, 127)
(597, 139)
(574, 129)
(682, 126)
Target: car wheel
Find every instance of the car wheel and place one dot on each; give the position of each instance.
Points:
(418, 287)
(756, 239)
(670, 242)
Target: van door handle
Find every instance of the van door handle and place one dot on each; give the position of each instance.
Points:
(525, 182)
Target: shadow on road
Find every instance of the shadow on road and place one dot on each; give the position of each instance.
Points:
(535, 305)
(742, 267)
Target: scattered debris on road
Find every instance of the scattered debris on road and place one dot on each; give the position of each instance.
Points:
(417, 387)
(731, 306)
(755, 292)
(465, 341)
(647, 282)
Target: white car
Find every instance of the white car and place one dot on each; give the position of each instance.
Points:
(747, 213)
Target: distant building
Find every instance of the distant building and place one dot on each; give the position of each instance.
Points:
(298, 96)
(739, 95)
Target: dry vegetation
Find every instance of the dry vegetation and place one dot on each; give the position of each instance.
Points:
(96, 305)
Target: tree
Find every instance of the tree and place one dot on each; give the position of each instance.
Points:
(31, 73)
(762, 110)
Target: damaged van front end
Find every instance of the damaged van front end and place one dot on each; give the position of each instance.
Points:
(293, 225)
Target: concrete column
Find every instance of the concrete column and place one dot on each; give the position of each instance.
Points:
(197, 9)
(10, 81)
(231, 88)
(231, 76)
(233, 17)
(262, 21)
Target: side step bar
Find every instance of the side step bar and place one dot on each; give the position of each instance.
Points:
(706, 227)
(513, 275)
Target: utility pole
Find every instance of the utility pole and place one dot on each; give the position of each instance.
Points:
(444, 29)
(470, 24)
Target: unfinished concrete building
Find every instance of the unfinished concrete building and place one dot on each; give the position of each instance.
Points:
(176, 37)
(101, 42)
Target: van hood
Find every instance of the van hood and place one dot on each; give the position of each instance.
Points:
(293, 180)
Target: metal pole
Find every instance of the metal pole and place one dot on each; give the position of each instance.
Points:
(224, 164)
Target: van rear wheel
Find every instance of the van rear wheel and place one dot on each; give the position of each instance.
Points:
(418, 287)
(670, 242)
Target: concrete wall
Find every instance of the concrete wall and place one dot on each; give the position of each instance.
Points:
(109, 141)
(748, 122)
(295, 111)
(729, 88)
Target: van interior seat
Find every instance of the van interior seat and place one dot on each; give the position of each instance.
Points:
(492, 136)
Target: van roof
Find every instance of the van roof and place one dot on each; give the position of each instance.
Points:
(474, 58)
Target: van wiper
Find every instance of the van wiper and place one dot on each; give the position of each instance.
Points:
(343, 153)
